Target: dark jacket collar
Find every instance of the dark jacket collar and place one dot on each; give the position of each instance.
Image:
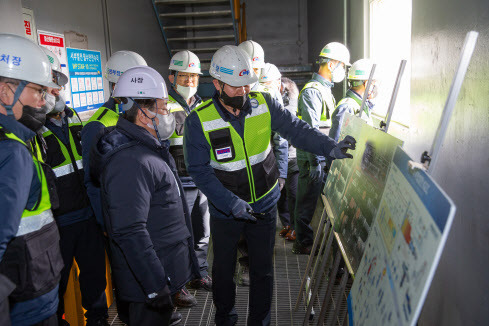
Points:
(18, 129)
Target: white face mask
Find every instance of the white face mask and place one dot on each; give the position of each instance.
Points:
(186, 91)
(166, 126)
(59, 105)
(50, 102)
(338, 74)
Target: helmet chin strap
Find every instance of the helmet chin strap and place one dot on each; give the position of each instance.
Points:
(153, 119)
(17, 94)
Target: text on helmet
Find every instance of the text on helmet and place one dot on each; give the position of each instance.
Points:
(115, 72)
(178, 62)
(244, 72)
(10, 59)
(226, 70)
(138, 80)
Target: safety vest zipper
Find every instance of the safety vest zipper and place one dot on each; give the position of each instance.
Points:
(250, 173)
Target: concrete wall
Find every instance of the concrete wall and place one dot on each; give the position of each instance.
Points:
(132, 25)
(281, 28)
(459, 293)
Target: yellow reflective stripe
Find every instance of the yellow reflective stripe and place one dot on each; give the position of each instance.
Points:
(260, 157)
(67, 169)
(229, 166)
(176, 141)
(215, 124)
(33, 223)
(260, 109)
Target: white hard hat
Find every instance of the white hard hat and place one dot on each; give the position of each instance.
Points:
(120, 62)
(269, 72)
(360, 70)
(24, 60)
(336, 51)
(141, 82)
(232, 66)
(185, 61)
(62, 79)
(255, 51)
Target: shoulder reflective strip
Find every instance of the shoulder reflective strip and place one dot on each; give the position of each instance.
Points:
(67, 169)
(258, 158)
(215, 124)
(260, 109)
(176, 141)
(43, 130)
(33, 223)
(230, 166)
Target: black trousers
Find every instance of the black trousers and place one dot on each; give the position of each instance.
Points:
(84, 242)
(286, 203)
(260, 238)
(50, 321)
(139, 314)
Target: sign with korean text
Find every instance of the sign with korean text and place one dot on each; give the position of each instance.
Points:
(56, 43)
(29, 24)
(87, 88)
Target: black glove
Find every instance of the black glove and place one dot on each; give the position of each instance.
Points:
(160, 301)
(339, 152)
(243, 211)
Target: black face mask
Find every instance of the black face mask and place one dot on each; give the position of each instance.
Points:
(236, 102)
(33, 118)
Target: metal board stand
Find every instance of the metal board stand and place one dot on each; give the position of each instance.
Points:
(367, 89)
(392, 102)
(463, 64)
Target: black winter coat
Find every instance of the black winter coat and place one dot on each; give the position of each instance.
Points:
(144, 210)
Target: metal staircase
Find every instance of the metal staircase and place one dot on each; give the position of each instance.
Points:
(201, 26)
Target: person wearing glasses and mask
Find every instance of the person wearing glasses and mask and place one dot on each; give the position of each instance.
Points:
(81, 238)
(143, 201)
(182, 99)
(28, 229)
(229, 156)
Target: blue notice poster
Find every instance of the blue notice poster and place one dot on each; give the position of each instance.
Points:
(87, 87)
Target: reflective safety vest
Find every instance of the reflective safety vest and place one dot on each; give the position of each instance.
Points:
(355, 103)
(327, 99)
(105, 116)
(176, 139)
(245, 166)
(32, 259)
(67, 164)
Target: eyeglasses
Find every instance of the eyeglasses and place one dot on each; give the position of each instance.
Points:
(188, 77)
(42, 92)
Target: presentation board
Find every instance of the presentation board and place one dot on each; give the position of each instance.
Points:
(354, 186)
(403, 249)
(87, 88)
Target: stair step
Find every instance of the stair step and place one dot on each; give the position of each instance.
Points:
(197, 50)
(199, 27)
(197, 14)
(202, 38)
(187, 2)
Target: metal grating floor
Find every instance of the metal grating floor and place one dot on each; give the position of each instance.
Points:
(288, 272)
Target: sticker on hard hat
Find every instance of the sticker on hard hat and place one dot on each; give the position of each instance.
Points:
(222, 153)
(115, 72)
(8, 59)
(254, 103)
(226, 70)
(178, 62)
(244, 72)
(256, 59)
(191, 64)
(138, 80)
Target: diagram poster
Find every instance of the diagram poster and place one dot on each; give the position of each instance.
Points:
(403, 250)
(85, 67)
(354, 187)
(56, 43)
